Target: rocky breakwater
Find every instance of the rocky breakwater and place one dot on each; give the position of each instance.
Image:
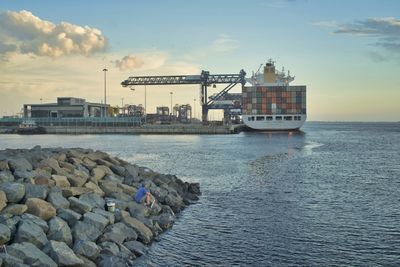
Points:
(53, 205)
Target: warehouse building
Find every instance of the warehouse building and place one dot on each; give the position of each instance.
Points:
(66, 107)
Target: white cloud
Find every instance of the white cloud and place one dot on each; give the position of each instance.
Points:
(325, 23)
(23, 33)
(141, 61)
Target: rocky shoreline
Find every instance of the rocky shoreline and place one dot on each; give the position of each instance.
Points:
(54, 212)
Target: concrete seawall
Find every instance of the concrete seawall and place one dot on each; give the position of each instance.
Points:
(153, 129)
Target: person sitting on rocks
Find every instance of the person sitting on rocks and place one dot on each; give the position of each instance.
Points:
(143, 195)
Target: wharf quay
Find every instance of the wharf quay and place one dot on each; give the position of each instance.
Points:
(120, 126)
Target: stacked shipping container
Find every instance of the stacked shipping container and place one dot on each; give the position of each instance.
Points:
(259, 100)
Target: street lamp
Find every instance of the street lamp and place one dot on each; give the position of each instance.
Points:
(145, 104)
(171, 103)
(194, 108)
(105, 92)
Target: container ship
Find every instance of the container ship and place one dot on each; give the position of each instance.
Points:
(270, 103)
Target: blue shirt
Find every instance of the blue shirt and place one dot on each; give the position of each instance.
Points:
(140, 194)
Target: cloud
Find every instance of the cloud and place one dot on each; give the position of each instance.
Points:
(385, 30)
(325, 23)
(224, 43)
(23, 33)
(144, 61)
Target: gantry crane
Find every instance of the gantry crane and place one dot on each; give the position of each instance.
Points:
(205, 79)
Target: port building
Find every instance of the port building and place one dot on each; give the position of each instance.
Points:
(65, 107)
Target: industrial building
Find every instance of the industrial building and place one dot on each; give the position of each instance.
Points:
(66, 107)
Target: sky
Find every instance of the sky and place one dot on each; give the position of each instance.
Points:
(347, 52)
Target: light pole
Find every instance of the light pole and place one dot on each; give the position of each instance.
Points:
(194, 108)
(171, 103)
(145, 104)
(105, 92)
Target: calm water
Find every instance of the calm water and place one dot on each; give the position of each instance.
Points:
(327, 196)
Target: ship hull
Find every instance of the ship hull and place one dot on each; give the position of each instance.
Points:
(278, 122)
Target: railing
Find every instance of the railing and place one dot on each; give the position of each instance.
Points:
(75, 122)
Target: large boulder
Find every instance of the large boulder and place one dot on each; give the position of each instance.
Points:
(98, 173)
(5, 234)
(136, 247)
(4, 165)
(59, 231)
(61, 180)
(10, 261)
(96, 220)
(15, 209)
(70, 216)
(110, 187)
(79, 206)
(36, 220)
(75, 191)
(109, 215)
(58, 200)
(6, 176)
(87, 249)
(24, 175)
(35, 191)
(109, 248)
(62, 254)
(96, 189)
(84, 231)
(30, 232)
(40, 208)
(119, 170)
(76, 180)
(15, 192)
(144, 233)
(89, 164)
(19, 164)
(118, 233)
(30, 255)
(3, 200)
(93, 199)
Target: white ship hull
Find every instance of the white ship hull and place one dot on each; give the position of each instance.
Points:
(276, 122)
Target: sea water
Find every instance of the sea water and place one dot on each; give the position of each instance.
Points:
(328, 195)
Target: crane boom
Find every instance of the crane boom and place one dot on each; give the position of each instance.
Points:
(205, 79)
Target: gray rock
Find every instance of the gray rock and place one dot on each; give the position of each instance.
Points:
(136, 247)
(59, 231)
(62, 254)
(109, 187)
(11, 261)
(10, 221)
(66, 165)
(109, 248)
(30, 232)
(30, 255)
(24, 175)
(19, 164)
(5, 234)
(35, 191)
(86, 261)
(97, 155)
(75, 191)
(174, 201)
(144, 233)
(118, 233)
(113, 261)
(6, 176)
(93, 199)
(3, 200)
(36, 220)
(96, 189)
(96, 220)
(70, 216)
(42, 173)
(51, 163)
(119, 170)
(104, 162)
(194, 188)
(82, 168)
(16, 209)
(109, 215)
(14, 191)
(89, 164)
(87, 249)
(132, 170)
(165, 220)
(84, 231)
(57, 200)
(78, 205)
